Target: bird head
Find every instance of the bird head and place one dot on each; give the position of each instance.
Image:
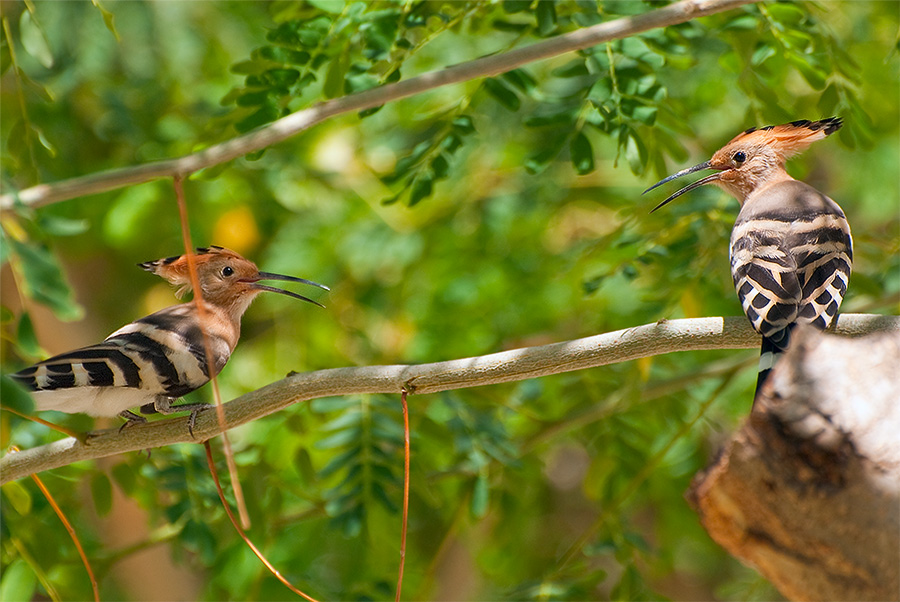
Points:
(754, 157)
(226, 279)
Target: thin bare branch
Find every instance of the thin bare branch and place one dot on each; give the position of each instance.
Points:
(277, 131)
(693, 334)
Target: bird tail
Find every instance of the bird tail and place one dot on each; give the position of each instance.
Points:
(773, 346)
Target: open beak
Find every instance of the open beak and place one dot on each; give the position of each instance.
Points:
(269, 276)
(689, 187)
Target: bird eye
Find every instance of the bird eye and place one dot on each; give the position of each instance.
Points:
(227, 271)
(739, 157)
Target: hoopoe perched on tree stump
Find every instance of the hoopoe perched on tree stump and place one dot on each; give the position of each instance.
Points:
(157, 359)
(791, 249)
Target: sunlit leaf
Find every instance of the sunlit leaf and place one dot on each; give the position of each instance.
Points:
(18, 496)
(18, 581)
(34, 40)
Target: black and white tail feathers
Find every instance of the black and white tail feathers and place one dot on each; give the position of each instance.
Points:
(770, 350)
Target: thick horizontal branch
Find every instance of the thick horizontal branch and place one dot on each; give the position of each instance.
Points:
(694, 334)
(277, 131)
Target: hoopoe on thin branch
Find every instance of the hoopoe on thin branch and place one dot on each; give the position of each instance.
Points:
(157, 359)
(791, 249)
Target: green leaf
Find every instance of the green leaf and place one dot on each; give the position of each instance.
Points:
(502, 94)
(334, 7)
(421, 189)
(463, 124)
(539, 161)
(762, 53)
(521, 79)
(280, 78)
(582, 154)
(575, 68)
(57, 225)
(18, 496)
(516, 6)
(501, 25)
(566, 116)
(252, 99)
(789, 14)
(644, 114)
(280, 54)
(108, 19)
(125, 478)
(635, 153)
(440, 166)
(18, 582)
(34, 40)
(101, 492)
(34, 86)
(5, 56)
(334, 78)
(14, 396)
(265, 114)
(26, 337)
(43, 280)
(304, 466)
(546, 17)
(481, 496)
(339, 439)
(814, 77)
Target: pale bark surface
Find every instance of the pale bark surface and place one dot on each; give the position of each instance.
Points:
(808, 491)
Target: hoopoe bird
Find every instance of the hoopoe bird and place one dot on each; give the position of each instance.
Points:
(159, 358)
(791, 250)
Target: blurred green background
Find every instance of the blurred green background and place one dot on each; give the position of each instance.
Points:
(478, 217)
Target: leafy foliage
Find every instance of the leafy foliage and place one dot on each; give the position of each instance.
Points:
(513, 217)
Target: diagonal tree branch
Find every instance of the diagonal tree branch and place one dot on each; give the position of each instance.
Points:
(693, 334)
(277, 131)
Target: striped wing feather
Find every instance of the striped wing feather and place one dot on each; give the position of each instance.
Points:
(790, 256)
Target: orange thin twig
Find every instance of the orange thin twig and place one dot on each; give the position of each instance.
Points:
(69, 528)
(272, 569)
(201, 314)
(403, 394)
(55, 427)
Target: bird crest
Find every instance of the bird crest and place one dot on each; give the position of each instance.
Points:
(788, 139)
(175, 269)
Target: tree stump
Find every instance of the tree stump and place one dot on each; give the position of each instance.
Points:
(808, 491)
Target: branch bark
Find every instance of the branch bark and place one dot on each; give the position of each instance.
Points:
(515, 365)
(808, 491)
(277, 131)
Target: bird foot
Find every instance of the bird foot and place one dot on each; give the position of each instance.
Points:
(130, 419)
(163, 405)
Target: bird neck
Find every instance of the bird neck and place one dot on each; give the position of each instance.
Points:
(222, 321)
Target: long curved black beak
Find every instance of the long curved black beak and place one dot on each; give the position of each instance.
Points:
(689, 187)
(272, 289)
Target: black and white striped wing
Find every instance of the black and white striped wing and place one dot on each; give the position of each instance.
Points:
(765, 277)
(824, 255)
(160, 356)
(791, 253)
